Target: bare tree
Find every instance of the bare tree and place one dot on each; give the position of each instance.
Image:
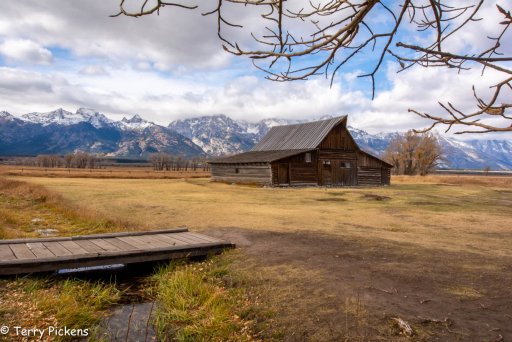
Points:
(161, 161)
(300, 39)
(48, 160)
(82, 160)
(68, 160)
(413, 153)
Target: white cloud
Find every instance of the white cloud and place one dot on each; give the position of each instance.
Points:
(94, 70)
(175, 37)
(25, 51)
(172, 66)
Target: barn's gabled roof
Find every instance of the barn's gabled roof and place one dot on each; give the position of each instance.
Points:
(305, 136)
(257, 156)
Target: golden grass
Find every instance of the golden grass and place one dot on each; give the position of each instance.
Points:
(46, 302)
(438, 215)
(196, 302)
(492, 181)
(26, 208)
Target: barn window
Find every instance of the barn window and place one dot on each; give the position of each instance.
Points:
(345, 165)
(326, 162)
(237, 170)
(307, 157)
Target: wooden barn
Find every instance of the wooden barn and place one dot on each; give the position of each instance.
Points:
(314, 153)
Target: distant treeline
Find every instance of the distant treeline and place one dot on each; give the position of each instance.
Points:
(82, 160)
(168, 162)
(78, 160)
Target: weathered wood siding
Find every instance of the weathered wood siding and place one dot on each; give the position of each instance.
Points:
(364, 159)
(258, 173)
(372, 171)
(299, 171)
(386, 175)
(368, 176)
(336, 154)
(338, 139)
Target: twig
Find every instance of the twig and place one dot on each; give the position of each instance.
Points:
(382, 290)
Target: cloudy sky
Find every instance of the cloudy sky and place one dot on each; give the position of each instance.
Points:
(71, 54)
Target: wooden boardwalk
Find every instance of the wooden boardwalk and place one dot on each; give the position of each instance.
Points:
(50, 254)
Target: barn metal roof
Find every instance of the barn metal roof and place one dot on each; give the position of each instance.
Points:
(257, 156)
(297, 137)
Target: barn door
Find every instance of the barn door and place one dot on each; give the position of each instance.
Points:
(343, 172)
(283, 174)
(326, 172)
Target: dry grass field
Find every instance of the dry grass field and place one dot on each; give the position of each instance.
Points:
(451, 214)
(123, 172)
(340, 264)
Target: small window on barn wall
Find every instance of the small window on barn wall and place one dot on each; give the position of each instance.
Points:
(345, 165)
(326, 162)
(307, 157)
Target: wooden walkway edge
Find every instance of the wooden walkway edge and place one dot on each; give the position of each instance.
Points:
(51, 254)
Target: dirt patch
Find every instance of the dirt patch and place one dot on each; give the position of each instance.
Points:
(336, 193)
(331, 199)
(322, 287)
(375, 197)
(433, 203)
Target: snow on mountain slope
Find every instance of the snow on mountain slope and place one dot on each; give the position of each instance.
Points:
(61, 132)
(218, 134)
(135, 123)
(65, 118)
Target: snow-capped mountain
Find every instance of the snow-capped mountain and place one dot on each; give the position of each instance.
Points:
(65, 118)
(61, 132)
(218, 134)
(5, 116)
(135, 123)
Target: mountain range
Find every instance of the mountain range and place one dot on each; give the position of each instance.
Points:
(61, 132)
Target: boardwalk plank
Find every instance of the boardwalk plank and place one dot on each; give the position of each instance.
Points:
(134, 242)
(154, 242)
(106, 245)
(202, 237)
(194, 238)
(72, 247)
(57, 248)
(6, 253)
(21, 251)
(32, 255)
(172, 241)
(89, 246)
(124, 246)
(188, 240)
(181, 240)
(39, 250)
